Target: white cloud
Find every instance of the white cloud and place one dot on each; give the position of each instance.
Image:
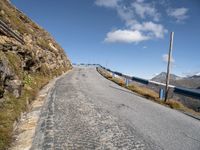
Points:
(133, 14)
(125, 13)
(127, 36)
(137, 33)
(107, 3)
(152, 29)
(180, 14)
(165, 58)
(145, 9)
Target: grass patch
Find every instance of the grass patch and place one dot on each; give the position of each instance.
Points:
(120, 82)
(147, 93)
(15, 21)
(175, 104)
(11, 108)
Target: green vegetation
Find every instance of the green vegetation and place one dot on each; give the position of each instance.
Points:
(11, 108)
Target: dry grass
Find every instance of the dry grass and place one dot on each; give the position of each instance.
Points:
(43, 43)
(120, 82)
(147, 93)
(175, 105)
(14, 20)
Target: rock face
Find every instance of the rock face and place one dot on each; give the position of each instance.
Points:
(29, 58)
(39, 55)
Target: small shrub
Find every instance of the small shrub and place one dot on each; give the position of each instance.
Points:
(28, 79)
(174, 104)
(43, 43)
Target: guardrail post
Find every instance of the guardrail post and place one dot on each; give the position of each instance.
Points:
(161, 93)
(113, 74)
(127, 81)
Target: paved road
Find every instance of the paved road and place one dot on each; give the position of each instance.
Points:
(86, 111)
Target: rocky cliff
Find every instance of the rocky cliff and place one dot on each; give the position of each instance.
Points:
(25, 65)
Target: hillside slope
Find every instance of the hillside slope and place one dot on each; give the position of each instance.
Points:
(24, 67)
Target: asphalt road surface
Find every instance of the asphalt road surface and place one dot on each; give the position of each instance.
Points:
(86, 111)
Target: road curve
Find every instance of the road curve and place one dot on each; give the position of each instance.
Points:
(86, 111)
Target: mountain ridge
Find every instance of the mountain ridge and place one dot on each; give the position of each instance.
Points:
(187, 82)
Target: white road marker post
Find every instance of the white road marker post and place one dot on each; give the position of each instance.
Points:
(127, 82)
(113, 75)
(169, 66)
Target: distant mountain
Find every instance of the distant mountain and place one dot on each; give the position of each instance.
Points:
(162, 77)
(188, 82)
(195, 77)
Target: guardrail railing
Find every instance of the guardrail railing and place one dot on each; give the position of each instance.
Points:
(7, 31)
(178, 90)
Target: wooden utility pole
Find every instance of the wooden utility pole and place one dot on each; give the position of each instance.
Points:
(169, 66)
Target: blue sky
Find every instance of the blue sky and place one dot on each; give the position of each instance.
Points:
(129, 36)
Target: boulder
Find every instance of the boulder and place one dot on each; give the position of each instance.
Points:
(8, 80)
(5, 71)
(14, 87)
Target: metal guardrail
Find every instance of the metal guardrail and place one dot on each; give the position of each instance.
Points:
(7, 31)
(160, 84)
(178, 90)
(187, 92)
